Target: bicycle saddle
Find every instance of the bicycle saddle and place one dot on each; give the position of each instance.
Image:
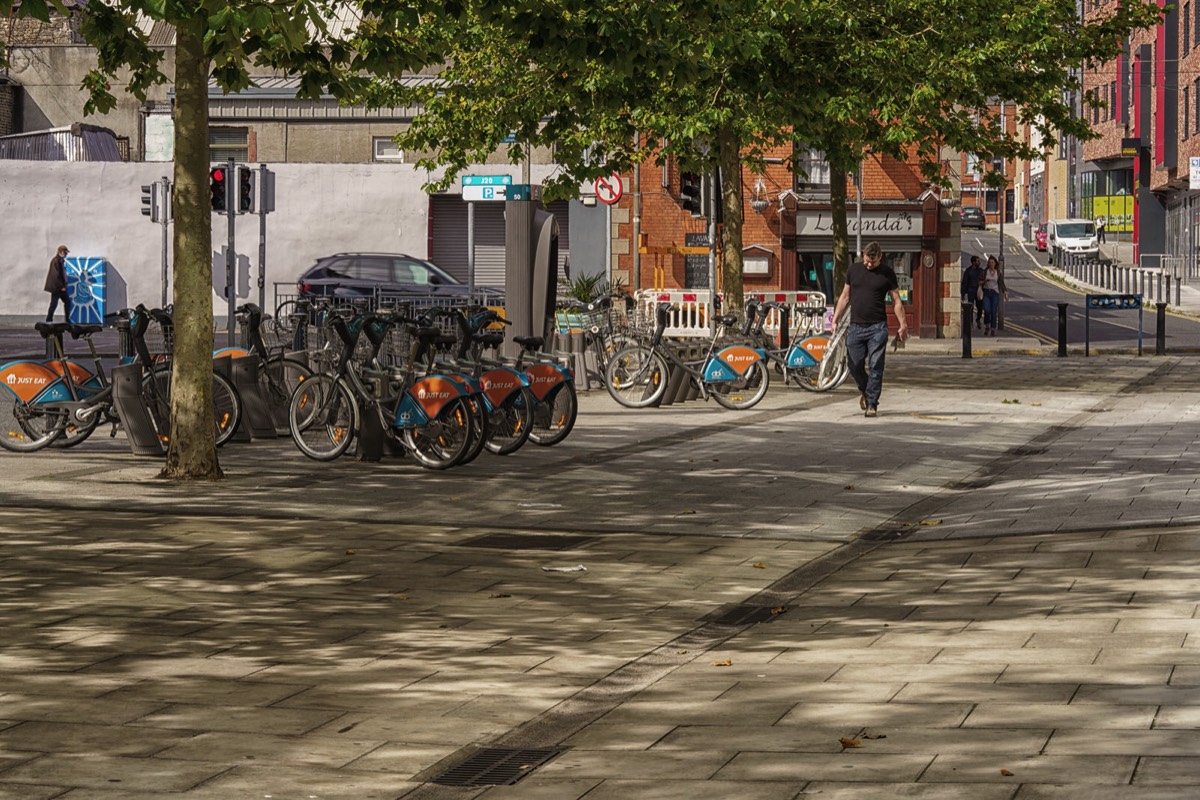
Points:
(489, 339)
(48, 329)
(85, 330)
(530, 342)
(728, 320)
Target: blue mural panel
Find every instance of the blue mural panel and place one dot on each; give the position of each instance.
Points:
(87, 286)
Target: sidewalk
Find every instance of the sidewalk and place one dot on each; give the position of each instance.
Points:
(987, 592)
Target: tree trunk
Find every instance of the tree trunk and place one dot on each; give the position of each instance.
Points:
(841, 237)
(192, 452)
(730, 159)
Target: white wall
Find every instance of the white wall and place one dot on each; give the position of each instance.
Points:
(95, 209)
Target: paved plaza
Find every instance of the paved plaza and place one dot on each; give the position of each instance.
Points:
(987, 592)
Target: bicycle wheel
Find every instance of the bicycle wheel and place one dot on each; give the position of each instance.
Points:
(279, 378)
(481, 429)
(282, 322)
(636, 377)
(227, 404)
(833, 365)
(554, 417)
(321, 417)
(227, 408)
(511, 423)
(744, 392)
(442, 443)
(25, 428)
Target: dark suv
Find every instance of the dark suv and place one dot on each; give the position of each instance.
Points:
(972, 217)
(350, 275)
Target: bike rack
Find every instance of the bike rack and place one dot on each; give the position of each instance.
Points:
(140, 430)
(256, 408)
(224, 365)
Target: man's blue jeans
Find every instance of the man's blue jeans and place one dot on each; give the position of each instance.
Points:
(866, 346)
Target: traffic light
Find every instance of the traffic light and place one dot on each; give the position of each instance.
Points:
(245, 188)
(220, 193)
(150, 206)
(690, 193)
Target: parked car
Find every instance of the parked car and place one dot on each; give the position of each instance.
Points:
(972, 217)
(1039, 238)
(1072, 237)
(347, 276)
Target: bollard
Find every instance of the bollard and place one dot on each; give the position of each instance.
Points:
(124, 339)
(967, 310)
(1062, 330)
(1160, 333)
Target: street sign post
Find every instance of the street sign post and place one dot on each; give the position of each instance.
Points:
(475, 188)
(609, 189)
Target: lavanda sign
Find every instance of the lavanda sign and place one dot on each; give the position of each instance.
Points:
(874, 223)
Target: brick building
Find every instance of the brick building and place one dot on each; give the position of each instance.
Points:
(787, 237)
(1136, 174)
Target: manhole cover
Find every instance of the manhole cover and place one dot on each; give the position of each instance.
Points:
(528, 541)
(495, 766)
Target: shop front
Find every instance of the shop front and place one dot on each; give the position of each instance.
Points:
(908, 240)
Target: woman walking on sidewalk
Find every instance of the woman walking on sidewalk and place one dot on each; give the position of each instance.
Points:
(993, 288)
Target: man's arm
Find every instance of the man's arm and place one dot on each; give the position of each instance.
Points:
(898, 308)
(840, 308)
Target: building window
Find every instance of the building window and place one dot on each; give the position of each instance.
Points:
(1196, 116)
(387, 150)
(1187, 28)
(227, 143)
(812, 170)
(1186, 108)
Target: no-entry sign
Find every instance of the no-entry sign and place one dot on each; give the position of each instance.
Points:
(609, 189)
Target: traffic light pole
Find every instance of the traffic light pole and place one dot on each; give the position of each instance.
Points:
(231, 200)
(165, 208)
(262, 238)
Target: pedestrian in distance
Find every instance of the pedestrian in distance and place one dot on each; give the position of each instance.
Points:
(971, 287)
(56, 284)
(993, 289)
(869, 285)
(1101, 223)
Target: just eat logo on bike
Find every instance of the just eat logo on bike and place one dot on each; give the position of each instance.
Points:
(739, 358)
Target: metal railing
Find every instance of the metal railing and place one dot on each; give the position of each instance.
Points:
(1157, 278)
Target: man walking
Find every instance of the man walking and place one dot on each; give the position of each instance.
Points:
(868, 284)
(56, 284)
(972, 277)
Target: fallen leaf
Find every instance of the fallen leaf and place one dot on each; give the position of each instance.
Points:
(930, 522)
(1035, 404)
(849, 487)
(349, 552)
(778, 610)
(848, 742)
(688, 511)
(760, 565)
(682, 652)
(401, 597)
(726, 663)
(499, 594)
(1006, 773)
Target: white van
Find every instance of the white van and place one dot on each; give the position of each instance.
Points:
(1071, 237)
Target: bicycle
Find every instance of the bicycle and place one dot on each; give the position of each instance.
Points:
(595, 320)
(61, 402)
(227, 403)
(427, 414)
(551, 383)
(801, 361)
(735, 376)
(278, 375)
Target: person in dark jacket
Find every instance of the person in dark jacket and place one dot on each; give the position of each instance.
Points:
(969, 287)
(56, 284)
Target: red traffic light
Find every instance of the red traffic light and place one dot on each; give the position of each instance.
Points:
(217, 174)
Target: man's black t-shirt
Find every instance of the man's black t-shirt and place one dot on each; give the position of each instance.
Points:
(868, 292)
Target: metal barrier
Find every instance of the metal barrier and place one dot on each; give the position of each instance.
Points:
(1152, 277)
(693, 308)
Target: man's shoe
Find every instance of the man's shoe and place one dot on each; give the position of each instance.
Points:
(862, 401)
(871, 412)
